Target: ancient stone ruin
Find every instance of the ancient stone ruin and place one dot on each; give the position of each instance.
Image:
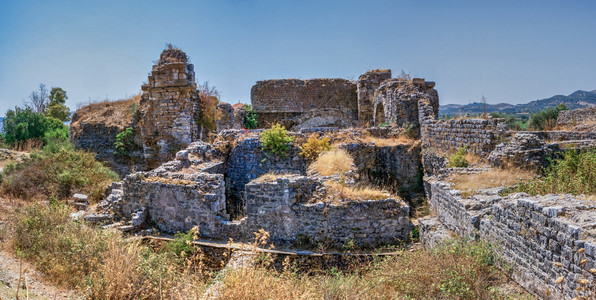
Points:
(230, 187)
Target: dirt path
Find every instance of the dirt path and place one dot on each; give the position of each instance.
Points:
(37, 289)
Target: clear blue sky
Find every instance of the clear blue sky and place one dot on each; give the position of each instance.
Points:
(508, 51)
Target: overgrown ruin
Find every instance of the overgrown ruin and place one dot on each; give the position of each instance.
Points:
(229, 187)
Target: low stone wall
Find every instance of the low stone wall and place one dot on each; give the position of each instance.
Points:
(279, 206)
(557, 136)
(533, 234)
(314, 102)
(480, 135)
(576, 116)
(178, 202)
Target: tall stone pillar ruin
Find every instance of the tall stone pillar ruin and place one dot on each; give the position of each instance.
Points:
(367, 85)
(168, 107)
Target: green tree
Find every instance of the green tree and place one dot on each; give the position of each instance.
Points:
(23, 123)
(57, 106)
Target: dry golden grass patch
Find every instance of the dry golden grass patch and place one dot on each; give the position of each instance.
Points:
(169, 180)
(336, 161)
(111, 113)
(394, 141)
(469, 184)
(337, 191)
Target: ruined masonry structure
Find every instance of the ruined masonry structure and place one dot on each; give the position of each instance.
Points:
(374, 99)
(168, 108)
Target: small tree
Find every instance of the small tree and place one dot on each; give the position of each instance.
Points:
(57, 106)
(250, 117)
(276, 140)
(38, 100)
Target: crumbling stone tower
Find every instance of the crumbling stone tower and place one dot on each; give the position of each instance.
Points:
(397, 101)
(168, 107)
(367, 85)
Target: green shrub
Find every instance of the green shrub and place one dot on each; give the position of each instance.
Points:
(58, 172)
(23, 124)
(458, 160)
(250, 117)
(276, 140)
(125, 142)
(546, 119)
(314, 146)
(573, 173)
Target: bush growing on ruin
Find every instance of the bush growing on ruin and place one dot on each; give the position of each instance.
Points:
(208, 114)
(276, 140)
(336, 161)
(315, 146)
(458, 159)
(573, 173)
(250, 117)
(125, 142)
(512, 122)
(545, 119)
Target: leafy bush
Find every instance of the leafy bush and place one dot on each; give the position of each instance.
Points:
(250, 117)
(459, 160)
(208, 113)
(57, 172)
(276, 140)
(57, 106)
(314, 146)
(23, 124)
(573, 173)
(125, 142)
(546, 119)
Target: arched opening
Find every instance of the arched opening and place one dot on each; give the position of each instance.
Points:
(379, 114)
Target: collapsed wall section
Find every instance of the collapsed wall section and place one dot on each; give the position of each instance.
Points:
(367, 84)
(542, 238)
(298, 104)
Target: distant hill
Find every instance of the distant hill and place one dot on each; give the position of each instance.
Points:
(578, 99)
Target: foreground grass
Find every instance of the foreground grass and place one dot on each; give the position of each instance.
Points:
(574, 173)
(101, 265)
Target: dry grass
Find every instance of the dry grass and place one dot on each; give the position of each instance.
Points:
(111, 113)
(271, 176)
(382, 142)
(336, 161)
(458, 270)
(469, 184)
(170, 180)
(337, 192)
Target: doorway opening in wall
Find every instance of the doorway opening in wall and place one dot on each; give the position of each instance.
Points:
(379, 114)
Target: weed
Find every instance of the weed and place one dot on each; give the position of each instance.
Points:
(314, 146)
(458, 160)
(276, 139)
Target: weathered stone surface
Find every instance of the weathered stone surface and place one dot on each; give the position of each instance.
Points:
(479, 135)
(397, 100)
(367, 85)
(576, 116)
(433, 232)
(299, 103)
(531, 234)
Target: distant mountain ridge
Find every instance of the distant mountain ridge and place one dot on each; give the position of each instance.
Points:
(577, 99)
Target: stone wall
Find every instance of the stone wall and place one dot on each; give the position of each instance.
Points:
(248, 161)
(532, 234)
(299, 103)
(168, 108)
(279, 206)
(396, 101)
(367, 84)
(178, 202)
(479, 135)
(576, 116)
(388, 166)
